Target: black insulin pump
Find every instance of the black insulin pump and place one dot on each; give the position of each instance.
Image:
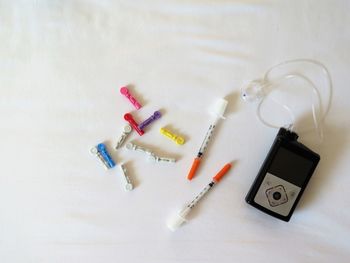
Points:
(283, 176)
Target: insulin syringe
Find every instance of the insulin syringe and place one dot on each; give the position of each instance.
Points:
(180, 218)
(218, 111)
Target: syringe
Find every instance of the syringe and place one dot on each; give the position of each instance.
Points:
(180, 218)
(218, 112)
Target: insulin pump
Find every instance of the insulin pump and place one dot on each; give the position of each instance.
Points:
(283, 176)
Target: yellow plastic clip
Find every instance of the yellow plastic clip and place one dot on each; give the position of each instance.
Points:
(176, 138)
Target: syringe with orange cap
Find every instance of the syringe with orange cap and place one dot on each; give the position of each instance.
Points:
(217, 111)
(180, 218)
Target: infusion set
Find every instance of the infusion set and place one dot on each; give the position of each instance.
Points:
(283, 176)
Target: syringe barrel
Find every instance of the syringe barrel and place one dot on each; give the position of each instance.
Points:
(206, 189)
(206, 140)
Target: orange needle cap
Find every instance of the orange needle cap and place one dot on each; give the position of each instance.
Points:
(222, 172)
(194, 168)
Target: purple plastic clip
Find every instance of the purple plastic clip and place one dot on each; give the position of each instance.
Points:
(156, 115)
(127, 94)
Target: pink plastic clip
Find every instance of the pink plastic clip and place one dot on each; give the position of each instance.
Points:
(129, 118)
(127, 94)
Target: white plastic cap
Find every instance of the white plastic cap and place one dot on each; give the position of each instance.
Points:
(219, 108)
(178, 220)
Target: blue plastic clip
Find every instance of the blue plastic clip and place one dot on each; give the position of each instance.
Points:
(101, 152)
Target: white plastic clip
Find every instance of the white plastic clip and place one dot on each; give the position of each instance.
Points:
(151, 155)
(95, 152)
(128, 186)
(126, 131)
(162, 159)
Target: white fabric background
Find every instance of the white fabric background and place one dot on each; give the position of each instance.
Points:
(62, 63)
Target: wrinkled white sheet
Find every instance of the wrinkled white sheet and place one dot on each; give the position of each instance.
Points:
(62, 63)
